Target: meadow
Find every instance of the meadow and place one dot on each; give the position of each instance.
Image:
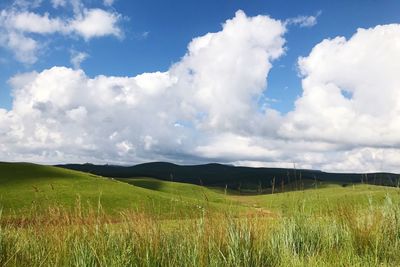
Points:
(56, 217)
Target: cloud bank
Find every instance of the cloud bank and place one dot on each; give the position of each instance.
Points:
(61, 114)
(21, 28)
(205, 106)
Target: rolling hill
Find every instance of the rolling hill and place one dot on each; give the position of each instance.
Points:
(29, 188)
(26, 187)
(238, 178)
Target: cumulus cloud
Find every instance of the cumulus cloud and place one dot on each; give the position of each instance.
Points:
(351, 90)
(61, 114)
(96, 23)
(205, 107)
(351, 97)
(217, 66)
(18, 23)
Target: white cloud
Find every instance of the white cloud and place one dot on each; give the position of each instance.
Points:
(351, 99)
(149, 141)
(96, 23)
(34, 23)
(27, 4)
(304, 21)
(77, 58)
(351, 90)
(22, 24)
(77, 7)
(217, 67)
(232, 147)
(108, 2)
(144, 35)
(59, 3)
(124, 119)
(25, 48)
(88, 23)
(204, 108)
(124, 147)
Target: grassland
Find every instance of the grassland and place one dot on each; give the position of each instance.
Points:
(27, 188)
(147, 222)
(327, 199)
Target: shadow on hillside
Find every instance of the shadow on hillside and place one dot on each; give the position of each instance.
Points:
(148, 183)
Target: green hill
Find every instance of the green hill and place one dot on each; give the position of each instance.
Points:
(178, 189)
(25, 187)
(28, 187)
(297, 228)
(326, 198)
(244, 179)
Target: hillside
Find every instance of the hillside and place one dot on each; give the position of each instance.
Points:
(328, 198)
(182, 220)
(233, 177)
(27, 187)
(178, 189)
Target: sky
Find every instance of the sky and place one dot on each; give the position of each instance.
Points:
(314, 84)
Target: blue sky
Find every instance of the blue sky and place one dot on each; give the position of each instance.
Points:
(200, 81)
(156, 34)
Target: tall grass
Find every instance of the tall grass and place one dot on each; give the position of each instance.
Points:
(345, 237)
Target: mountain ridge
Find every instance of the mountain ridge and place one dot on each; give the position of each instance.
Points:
(216, 174)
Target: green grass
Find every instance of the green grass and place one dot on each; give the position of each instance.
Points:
(24, 187)
(178, 189)
(305, 184)
(347, 237)
(147, 222)
(325, 199)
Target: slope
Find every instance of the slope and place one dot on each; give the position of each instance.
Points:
(26, 187)
(179, 189)
(328, 198)
(238, 178)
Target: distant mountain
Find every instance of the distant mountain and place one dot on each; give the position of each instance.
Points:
(234, 177)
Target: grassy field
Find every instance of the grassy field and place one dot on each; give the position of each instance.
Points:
(180, 189)
(28, 188)
(322, 200)
(57, 217)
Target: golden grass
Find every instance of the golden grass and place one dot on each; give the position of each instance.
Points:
(89, 237)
